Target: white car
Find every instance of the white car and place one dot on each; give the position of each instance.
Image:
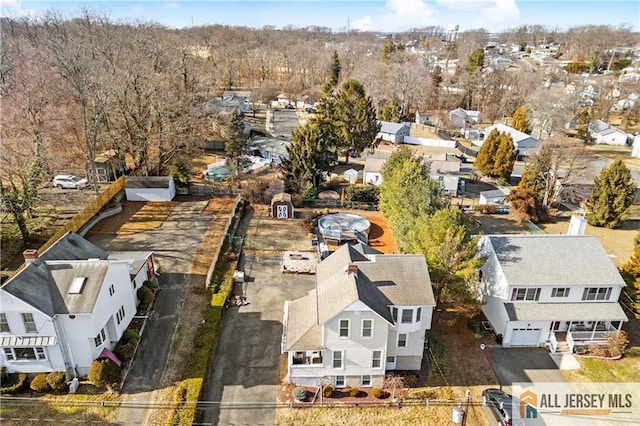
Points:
(69, 182)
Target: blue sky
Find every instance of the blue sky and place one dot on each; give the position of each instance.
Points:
(378, 15)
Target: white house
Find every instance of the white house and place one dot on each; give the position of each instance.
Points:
(636, 146)
(524, 144)
(371, 173)
(493, 196)
(604, 133)
(149, 188)
(444, 163)
(368, 314)
(451, 185)
(393, 132)
(69, 306)
(460, 118)
(558, 291)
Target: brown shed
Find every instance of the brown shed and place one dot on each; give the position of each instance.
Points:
(282, 206)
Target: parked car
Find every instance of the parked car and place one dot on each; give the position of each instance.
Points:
(501, 405)
(69, 182)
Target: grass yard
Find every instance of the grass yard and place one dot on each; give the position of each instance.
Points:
(11, 241)
(268, 233)
(82, 408)
(626, 369)
(618, 243)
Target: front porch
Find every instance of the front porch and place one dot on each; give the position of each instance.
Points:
(579, 334)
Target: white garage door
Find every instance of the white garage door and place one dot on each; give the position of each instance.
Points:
(525, 337)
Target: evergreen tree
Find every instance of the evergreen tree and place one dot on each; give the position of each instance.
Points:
(495, 158)
(388, 48)
(391, 111)
(309, 158)
(234, 142)
(357, 120)
(335, 69)
(520, 120)
(407, 194)
(449, 242)
(475, 61)
(630, 271)
(611, 197)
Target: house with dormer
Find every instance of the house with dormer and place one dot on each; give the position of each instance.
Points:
(69, 306)
(558, 291)
(524, 144)
(368, 314)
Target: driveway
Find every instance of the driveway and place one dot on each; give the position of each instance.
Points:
(246, 362)
(173, 244)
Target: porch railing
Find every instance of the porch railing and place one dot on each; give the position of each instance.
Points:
(553, 341)
(570, 342)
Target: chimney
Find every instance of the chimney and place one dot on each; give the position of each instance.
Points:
(30, 255)
(352, 269)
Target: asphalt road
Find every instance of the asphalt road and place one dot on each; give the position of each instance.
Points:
(173, 244)
(245, 365)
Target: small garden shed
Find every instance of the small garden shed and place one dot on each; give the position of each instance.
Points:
(351, 176)
(149, 188)
(282, 206)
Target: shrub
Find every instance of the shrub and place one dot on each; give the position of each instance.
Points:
(354, 392)
(130, 336)
(309, 192)
(145, 295)
(125, 351)
(150, 284)
(327, 391)
(103, 372)
(377, 392)
(13, 383)
(299, 393)
(57, 380)
(39, 383)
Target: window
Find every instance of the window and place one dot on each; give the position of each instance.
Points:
(560, 292)
(407, 316)
(402, 340)
(391, 359)
(4, 325)
(40, 353)
(419, 314)
(344, 328)
(100, 338)
(29, 323)
(595, 293)
(367, 328)
(365, 380)
(120, 315)
(394, 314)
(337, 359)
(519, 294)
(8, 354)
(112, 290)
(339, 381)
(376, 361)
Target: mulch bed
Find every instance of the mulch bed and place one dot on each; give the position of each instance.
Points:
(341, 396)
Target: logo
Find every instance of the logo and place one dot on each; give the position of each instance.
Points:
(528, 404)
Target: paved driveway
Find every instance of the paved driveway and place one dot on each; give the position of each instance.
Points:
(245, 365)
(173, 244)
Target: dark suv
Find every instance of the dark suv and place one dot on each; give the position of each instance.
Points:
(501, 405)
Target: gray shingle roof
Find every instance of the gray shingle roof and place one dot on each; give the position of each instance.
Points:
(592, 311)
(382, 280)
(390, 127)
(147, 181)
(554, 260)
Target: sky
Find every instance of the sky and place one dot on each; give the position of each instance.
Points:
(365, 15)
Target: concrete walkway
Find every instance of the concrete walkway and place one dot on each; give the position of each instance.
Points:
(565, 361)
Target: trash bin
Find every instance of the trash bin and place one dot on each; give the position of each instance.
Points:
(499, 339)
(457, 414)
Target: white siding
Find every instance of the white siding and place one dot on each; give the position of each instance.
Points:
(493, 309)
(544, 327)
(575, 294)
(494, 283)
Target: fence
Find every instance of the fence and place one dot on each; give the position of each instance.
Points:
(212, 267)
(356, 205)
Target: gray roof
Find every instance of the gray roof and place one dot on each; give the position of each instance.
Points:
(391, 127)
(373, 164)
(268, 144)
(554, 260)
(147, 181)
(135, 259)
(493, 193)
(44, 283)
(381, 281)
(591, 311)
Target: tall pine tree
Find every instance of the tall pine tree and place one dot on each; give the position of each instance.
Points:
(630, 271)
(520, 120)
(612, 195)
(495, 158)
(335, 69)
(234, 141)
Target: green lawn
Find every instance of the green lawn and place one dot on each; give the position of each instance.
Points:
(626, 369)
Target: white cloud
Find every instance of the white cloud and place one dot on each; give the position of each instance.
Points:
(13, 9)
(399, 15)
(501, 11)
(173, 6)
(462, 4)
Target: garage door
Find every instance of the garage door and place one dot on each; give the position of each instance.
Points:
(525, 337)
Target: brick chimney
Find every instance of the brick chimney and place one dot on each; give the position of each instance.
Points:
(30, 255)
(352, 269)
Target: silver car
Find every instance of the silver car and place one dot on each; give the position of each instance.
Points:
(69, 182)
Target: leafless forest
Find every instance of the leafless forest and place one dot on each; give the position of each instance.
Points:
(74, 87)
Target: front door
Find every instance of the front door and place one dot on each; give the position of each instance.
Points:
(555, 326)
(281, 212)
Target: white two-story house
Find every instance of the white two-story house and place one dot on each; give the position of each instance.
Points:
(69, 306)
(369, 313)
(558, 291)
